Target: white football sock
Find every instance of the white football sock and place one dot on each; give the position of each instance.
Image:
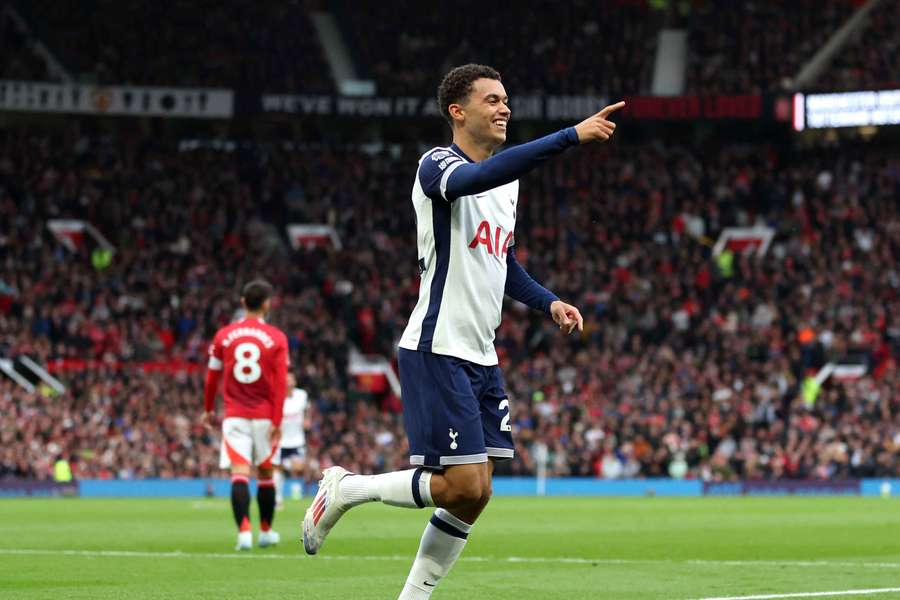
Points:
(443, 541)
(279, 486)
(410, 488)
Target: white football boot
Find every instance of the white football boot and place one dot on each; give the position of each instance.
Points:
(245, 540)
(327, 507)
(268, 538)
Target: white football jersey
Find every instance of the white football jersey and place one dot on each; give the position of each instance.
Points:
(292, 434)
(462, 247)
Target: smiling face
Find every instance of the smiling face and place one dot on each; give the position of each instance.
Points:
(484, 114)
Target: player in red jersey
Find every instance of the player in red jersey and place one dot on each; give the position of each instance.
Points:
(253, 359)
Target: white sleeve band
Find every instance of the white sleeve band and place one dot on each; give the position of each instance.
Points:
(214, 364)
(446, 176)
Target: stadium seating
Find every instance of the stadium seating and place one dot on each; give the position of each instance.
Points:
(17, 61)
(270, 47)
(869, 62)
(755, 47)
(546, 47)
(687, 365)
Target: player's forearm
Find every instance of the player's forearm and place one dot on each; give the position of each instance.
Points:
(522, 287)
(280, 393)
(278, 409)
(210, 389)
(473, 178)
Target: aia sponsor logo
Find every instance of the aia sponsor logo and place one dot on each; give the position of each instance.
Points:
(490, 238)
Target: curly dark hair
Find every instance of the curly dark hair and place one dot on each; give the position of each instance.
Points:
(457, 85)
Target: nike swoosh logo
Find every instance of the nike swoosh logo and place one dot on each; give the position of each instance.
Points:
(429, 584)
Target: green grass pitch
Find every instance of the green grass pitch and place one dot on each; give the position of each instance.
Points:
(521, 549)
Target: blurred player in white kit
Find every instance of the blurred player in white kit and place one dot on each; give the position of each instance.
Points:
(293, 440)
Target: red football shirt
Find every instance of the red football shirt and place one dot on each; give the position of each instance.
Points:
(253, 357)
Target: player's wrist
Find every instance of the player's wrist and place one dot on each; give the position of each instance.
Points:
(550, 304)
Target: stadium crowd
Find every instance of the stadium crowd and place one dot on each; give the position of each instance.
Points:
(869, 61)
(690, 365)
(17, 60)
(757, 47)
(576, 48)
(550, 48)
(270, 47)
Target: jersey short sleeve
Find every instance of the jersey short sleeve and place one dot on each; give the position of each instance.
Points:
(435, 169)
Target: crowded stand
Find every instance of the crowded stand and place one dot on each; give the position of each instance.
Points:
(17, 59)
(869, 61)
(575, 48)
(270, 47)
(103, 42)
(757, 47)
(690, 365)
(551, 48)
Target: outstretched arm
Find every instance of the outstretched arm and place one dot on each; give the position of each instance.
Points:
(464, 178)
(449, 177)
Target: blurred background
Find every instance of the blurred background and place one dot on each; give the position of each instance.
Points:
(734, 250)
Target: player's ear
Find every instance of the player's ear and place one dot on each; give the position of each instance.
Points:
(457, 113)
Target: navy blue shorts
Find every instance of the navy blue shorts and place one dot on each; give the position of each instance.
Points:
(456, 412)
(299, 452)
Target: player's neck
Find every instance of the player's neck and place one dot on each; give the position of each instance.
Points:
(255, 315)
(474, 151)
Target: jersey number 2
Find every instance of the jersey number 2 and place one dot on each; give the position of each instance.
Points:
(504, 424)
(246, 365)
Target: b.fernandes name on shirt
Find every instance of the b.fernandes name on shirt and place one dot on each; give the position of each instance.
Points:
(240, 332)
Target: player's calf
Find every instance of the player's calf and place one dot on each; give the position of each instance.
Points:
(265, 498)
(467, 489)
(240, 506)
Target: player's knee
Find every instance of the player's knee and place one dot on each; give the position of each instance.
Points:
(484, 497)
(487, 490)
(466, 493)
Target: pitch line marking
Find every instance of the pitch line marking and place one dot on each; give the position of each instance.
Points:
(809, 594)
(509, 559)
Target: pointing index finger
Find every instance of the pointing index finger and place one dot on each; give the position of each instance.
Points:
(611, 108)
